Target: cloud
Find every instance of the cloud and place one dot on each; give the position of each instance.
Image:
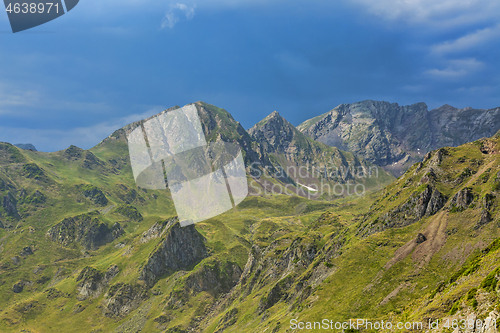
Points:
(468, 41)
(172, 16)
(57, 139)
(456, 68)
(12, 98)
(440, 13)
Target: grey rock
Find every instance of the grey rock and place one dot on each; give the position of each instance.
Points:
(420, 238)
(123, 298)
(86, 229)
(26, 251)
(95, 194)
(462, 199)
(157, 230)
(385, 133)
(18, 287)
(92, 282)
(419, 205)
(9, 203)
(484, 219)
(180, 248)
(25, 146)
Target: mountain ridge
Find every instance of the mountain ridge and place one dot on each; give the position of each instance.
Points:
(394, 136)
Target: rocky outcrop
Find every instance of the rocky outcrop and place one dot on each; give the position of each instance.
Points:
(130, 212)
(227, 320)
(18, 287)
(91, 161)
(33, 171)
(274, 133)
(277, 292)
(485, 218)
(420, 238)
(420, 204)
(73, 153)
(180, 248)
(26, 251)
(92, 282)
(26, 146)
(462, 199)
(9, 204)
(214, 277)
(389, 135)
(85, 229)
(123, 298)
(157, 230)
(95, 195)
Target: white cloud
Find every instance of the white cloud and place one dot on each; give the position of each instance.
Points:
(172, 16)
(469, 41)
(456, 68)
(57, 139)
(434, 12)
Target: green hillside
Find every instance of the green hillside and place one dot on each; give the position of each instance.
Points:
(84, 250)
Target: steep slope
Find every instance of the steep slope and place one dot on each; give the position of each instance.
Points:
(268, 166)
(300, 160)
(83, 248)
(423, 244)
(394, 136)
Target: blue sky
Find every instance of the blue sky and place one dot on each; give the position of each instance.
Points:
(107, 63)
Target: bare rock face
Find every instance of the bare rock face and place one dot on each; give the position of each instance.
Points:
(419, 205)
(26, 146)
(9, 203)
(215, 277)
(420, 238)
(484, 219)
(394, 136)
(92, 282)
(123, 298)
(274, 133)
(462, 199)
(95, 195)
(157, 230)
(85, 229)
(18, 287)
(180, 248)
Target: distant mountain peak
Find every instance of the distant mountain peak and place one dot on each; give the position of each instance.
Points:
(394, 136)
(26, 146)
(274, 131)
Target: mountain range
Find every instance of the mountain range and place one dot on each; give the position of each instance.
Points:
(394, 136)
(83, 249)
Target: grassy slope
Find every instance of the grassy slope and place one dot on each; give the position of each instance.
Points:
(357, 287)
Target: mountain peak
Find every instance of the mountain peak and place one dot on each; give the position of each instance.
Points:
(274, 131)
(26, 146)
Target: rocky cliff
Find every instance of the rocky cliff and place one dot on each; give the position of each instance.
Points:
(395, 136)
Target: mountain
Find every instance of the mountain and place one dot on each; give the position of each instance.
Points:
(83, 249)
(25, 146)
(299, 161)
(394, 136)
(311, 163)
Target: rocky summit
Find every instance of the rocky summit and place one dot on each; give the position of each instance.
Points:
(394, 136)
